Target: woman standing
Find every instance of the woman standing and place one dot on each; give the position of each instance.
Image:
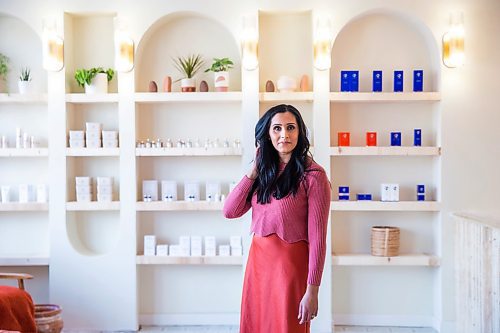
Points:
(289, 195)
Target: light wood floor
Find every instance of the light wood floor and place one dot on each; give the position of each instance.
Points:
(234, 329)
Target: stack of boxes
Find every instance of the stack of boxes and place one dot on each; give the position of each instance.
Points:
(193, 246)
(91, 138)
(93, 135)
(110, 139)
(83, 189)
(104, 189)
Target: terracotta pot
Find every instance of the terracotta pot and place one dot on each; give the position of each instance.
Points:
(221, 81)
(188, 85)
(48, 318)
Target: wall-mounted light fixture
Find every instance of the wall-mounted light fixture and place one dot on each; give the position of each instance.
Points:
(53, 47)
(124, 47)
(249, 44)
(322, 43)
(454, 42)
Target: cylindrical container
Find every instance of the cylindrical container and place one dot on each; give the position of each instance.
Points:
(48, 318)
(5, 190)
(385, 241)
(4, 142)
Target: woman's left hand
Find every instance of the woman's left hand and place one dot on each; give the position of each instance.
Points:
(308, 307)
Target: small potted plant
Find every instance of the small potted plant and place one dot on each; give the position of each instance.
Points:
(94, 80)
(24, 83)
(188, 66)
(4, 69)
(220, 67)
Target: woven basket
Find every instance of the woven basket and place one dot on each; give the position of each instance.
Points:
(385, 241)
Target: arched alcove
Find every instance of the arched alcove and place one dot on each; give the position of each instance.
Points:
(183, 34)
(23, 46)
(385, 40)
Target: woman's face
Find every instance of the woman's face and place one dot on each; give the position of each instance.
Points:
(284, 134)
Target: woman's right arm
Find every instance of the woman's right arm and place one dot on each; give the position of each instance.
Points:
(236, 203)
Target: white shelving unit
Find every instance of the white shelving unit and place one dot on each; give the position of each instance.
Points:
(409, 206)
(178, 206)
(92, 206)
(24, 261)
(275, 97)
(384, 97)
(401, 260)
(168, 260)
(92, 152)
(189, 151)
(28, 152)
(23, 98)
(385, 151)
(78, 98)
(196, 97)
(24, 207)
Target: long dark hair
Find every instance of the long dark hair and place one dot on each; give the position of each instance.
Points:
(268, 183)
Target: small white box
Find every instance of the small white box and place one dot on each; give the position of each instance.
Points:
(92, 135)
(104, 197)
(185, 242)
(150, 190)
(168, 190)
(196, 246)
(76, 135)
(104, 181)
(24, 193)
(41, 193)
(395, 192)
(77, 143)
(82, 181)
(175, 250)
(93, 143)
(83, 197)
(236, 251)
(149, 245)
(162, 250)
(210, 252)
(93, 126)
(235, 241)
(191, 191)
(110, 135)
(109, 143)
(212, 191)
(83, 189)
(210, 246)
(224, 250)
(385, 192)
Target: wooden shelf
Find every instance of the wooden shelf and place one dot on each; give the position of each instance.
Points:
(306, 96)
(92, 206)
(369, 260)
(24, 207)
(170, 260)
(417, 206)
(372, 97)
(24, 152)
(164, 97)
(23, 98)
(188, 152)
(178, 205)
(385, 151)
(82, 98)
(92, 152)
(24, 261)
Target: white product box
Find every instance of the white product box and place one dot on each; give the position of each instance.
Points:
(93, 143)
(168, 190)
(162, 250)
(210, 246)
(104, 197)
(104, 181)
(191, 191)
(212, 191)
(185, 244)
(104, 189)
(196, 246)
(224, 250)
(5, 191)
(77, 143)
(41, 193)
(236, 251)
(395, 192)
(235, 241)
(150, 190)
(83, 197)
(385, 192)
(76, 135)
(149, 245)
(93, 126)
(92, 135)
(24, 193)
(83, 189)
(175, 250)
(82, 181)
(110, 135)
(109, 143)
(232, 185)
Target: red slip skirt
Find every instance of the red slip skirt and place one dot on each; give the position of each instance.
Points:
(275, 282)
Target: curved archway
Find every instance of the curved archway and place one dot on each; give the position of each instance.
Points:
(182, 34)
(387, 40)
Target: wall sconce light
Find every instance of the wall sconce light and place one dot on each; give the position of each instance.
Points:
(454, 42)
(249, 44)
(124, 47)
(322, 43)
(53, 47)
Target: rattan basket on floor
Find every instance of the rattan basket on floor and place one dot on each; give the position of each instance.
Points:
(385, 241)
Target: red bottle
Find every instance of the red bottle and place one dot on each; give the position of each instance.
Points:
(344, 139)
(371, 138)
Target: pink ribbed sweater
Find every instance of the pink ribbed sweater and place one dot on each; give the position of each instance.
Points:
(293, 218)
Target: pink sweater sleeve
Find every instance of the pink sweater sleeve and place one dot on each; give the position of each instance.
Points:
(318, 198)
(236, 203)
